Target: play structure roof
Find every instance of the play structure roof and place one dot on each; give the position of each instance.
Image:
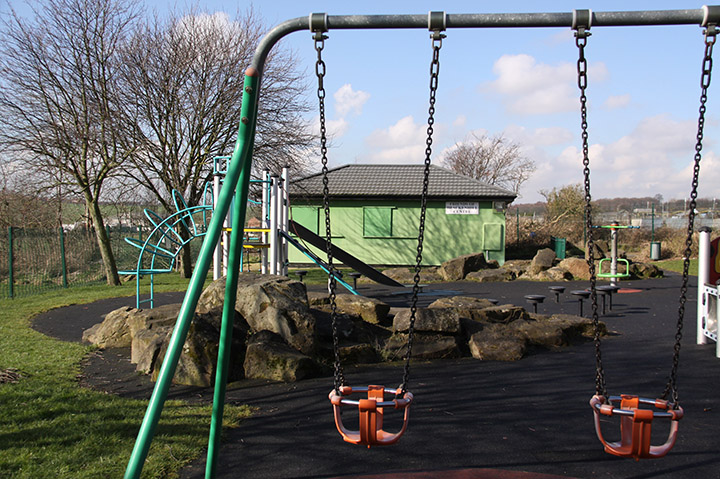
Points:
(395, 181)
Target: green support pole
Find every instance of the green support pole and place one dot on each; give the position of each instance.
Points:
(11, 278)
(226, 329)
(517, 219)
(63, 262)
(187, 310)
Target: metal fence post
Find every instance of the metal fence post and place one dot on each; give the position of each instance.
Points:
(10, 263)
(63, 262)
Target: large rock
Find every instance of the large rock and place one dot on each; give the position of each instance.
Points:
(577, 267)
(113, 331)
(425, 346)
(146, 346)
(269, 357)
(431, 320)
(198, 359)
(466, 306)
(546, 334)
(556, 273)
(407, 275)
(269, 302)
(457, 268)
(358, 354)
(518, 267)
(369, 309)
(644, 270)
(140, 319)
(577, 327)
(496, 342)
(503, 314)
(491, 275)
(543, 260)
(557, 330)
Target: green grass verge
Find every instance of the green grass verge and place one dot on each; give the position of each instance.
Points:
(52, 427)
(677, 265)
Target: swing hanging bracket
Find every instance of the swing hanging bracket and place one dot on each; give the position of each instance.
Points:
(711, 19)
(437, 23)
(581, 23)
(318, 23)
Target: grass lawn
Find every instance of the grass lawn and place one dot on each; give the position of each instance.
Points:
(677, 265)
(51, 427)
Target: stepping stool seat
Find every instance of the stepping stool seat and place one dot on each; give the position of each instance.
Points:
(609, 289)
(534, 299)
(300, 274)
(581, 294)
(558, 290)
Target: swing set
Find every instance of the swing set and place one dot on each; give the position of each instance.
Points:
(636, 414)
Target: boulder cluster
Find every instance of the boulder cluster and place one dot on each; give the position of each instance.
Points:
(282, 333)
(545, 266)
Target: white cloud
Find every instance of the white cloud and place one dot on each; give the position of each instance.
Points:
(403, 142)
(403, 133)
(348, 100)
(617, 101)
(335, 128)
(532, 88)
(460, 121)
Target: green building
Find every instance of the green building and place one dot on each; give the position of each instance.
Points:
(375, 211)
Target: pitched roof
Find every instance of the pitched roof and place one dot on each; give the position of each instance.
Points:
(388, 181)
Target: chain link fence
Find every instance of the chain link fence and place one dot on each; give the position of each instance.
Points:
(36, 260)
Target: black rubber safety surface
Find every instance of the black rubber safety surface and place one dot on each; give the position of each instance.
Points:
(483, 419)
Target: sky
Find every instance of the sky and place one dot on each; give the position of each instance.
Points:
(643, 93)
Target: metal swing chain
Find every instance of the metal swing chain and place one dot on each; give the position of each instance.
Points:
(581, 36)
(710, 36)
(339, 376)
(434, 72)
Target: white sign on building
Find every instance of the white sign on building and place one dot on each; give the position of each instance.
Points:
(462, 208)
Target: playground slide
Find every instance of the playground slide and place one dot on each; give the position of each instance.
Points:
(316, 259)
(343, 256)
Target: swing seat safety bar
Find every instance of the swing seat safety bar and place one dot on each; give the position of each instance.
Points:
(370, 432)
(636, 425)
(626, 274)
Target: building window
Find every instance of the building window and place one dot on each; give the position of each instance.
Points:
(377, 222)
(306, 216)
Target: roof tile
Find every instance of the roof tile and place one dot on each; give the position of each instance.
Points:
(396, 181)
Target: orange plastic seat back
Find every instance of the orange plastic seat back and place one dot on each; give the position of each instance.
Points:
(370, 431)
(635, 430)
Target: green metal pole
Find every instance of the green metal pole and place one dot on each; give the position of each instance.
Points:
(517, 219)
(226, 329)
(62, 258)
(11, 278)
(187, 310)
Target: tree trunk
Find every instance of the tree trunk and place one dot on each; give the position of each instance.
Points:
(103, 240)
(185, 265)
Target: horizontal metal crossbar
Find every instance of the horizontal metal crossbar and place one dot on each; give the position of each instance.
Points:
(701, 16)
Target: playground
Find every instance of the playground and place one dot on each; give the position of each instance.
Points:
(477, 418)
(470, 418)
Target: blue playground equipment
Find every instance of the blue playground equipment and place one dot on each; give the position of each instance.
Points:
(163, 245)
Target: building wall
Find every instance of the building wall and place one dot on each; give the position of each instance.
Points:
(385, 233)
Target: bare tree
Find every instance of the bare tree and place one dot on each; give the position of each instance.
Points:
(59, 100)
(565, 203)
(495, 160)
(184, 77)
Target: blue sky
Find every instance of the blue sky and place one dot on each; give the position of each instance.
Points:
(643, 92)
